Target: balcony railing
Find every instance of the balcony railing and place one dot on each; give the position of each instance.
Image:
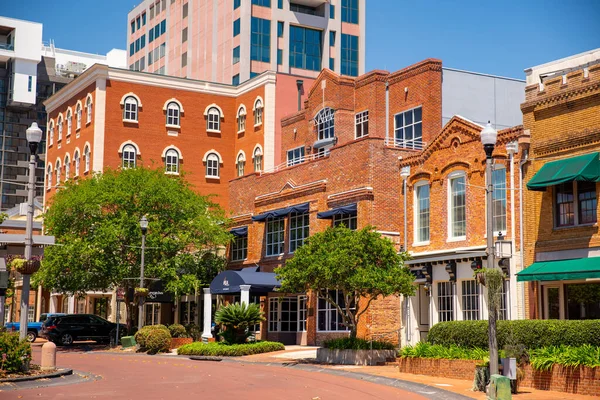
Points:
(412, 144)
(7, 46)
(295, 161)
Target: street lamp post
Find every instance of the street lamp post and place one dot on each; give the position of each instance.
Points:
(488, 138)
(34, 137)
(144, 228)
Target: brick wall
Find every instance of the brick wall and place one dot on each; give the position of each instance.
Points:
(455, 369)
(582, 380)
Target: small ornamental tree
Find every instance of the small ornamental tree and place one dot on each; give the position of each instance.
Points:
(361, 264)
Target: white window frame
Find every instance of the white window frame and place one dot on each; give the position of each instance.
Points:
(417, 211)
(88, 105)
(172, 159)
(350, 221)
(173, 115)
(503, 311)
(276, 313)
(213, 120)
(274, 237)
(49, 178)
(257, 159)
(576, 208)
(498, 188)
(325, 306)
(57, 174)
(302, 312)
(76, 160)
(295, 160)
(471, 300)
(87, 156)
(78, 113)
(51, 133)
(212, 164)
(325, 123)
(361, 120)
(446, 314)
(67, 167)
(258, 112)
(451, 218)
(59, 124)
(399, 134)
(299, 230)
(130, 109)
(241, 119)
(239, 248)
(127, 160)
(69, 122)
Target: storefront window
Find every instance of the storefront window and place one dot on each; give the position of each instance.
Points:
(583, 301)
(101, 307)
(553, 303)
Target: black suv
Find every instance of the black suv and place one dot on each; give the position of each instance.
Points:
(65, 329)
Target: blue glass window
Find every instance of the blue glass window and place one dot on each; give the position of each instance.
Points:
(279, 57)
(150, 35)
(237, 4)
(138, 22)
(143, 42)
(236, 27)
(163, 26)
(236, 54)
(332, 63)
(143, 19)
(280, 4)
(235, 80)
(132, 49)
(132, 26)
(331, 11)
(350, 11)
(137, 45)
(260, 40)
(30, 84)
(156, 31)
(349, 55)
(332, 38)
(264, 3)
(280, 27)
(305, 48)
(253, 74)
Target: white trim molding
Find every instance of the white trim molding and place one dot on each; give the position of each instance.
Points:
(258, 146)
(237, 157)
(212, 151)
(122, 146)
(126, 95)
(164, 152)
(240, 109)
(173, 100)
(262, 102)
(214, 105)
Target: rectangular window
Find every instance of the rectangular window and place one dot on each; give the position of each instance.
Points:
(157, 31)
(30, 83)
(328, 317)
(422, 212)
(499, 199)
(151, 12)
(332, 38)
(565, 204)
(470, 300)
(142, 63)
(138, 21)
(142, 42)
(185, 11)
(302, 313)
(349, 55)
(349, 221)
(295, 156)
(458, 214)
(132, 26)
(582, 301)
(137, 65)
(184, 60)
(236, 55)
(237, 4)
(275, 236)
(163, 27)
(235, 80)
(131, 49)
(408, 129)
(150, 35)
(137, 45)
(239, 248)
(350, 11)
(283, 314)
(280, 26)
(236, 27)
(587, 202)
(305, 48)
(361, 123)
(157, 8)
(184, 35)
(144, 19)
(299, 228)
(301, 8)
(279, 57)
(503, 309)
(274, 314)
(280, 4)
(150, 59)
(253, 74)
(332, 63)
(163, 48)
(260, 40)
(445, 301)
(331, 11)
(263, 3)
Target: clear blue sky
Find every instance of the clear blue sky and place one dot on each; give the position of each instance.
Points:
(500, 37)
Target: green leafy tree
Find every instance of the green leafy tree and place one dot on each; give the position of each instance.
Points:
(361, 264)
(98, 237)
(237, 318)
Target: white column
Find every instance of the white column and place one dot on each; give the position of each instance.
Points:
(113, 306)
(38, 303)
(206, 333)
(71, 304)
(53, 303)
(245, 294)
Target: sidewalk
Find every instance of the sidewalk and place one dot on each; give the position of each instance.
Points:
(303, 354)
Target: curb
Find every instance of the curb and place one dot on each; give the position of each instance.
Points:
(57, 374)
(205, 358)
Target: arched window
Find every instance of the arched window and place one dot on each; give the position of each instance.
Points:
(76, 160)
(88, 106)
(258, 158)
(69, 122)
(173, 114)
(241, 119)
(67, 167)
(49, 178)
(129, 156)
(51, 133)
(172, 162)
(241, 162)
(78, 112)
(130, 109)
(59, 123)
(212, 166)
(86, 158)
(57, 172)
(213, 120)
(258, 112)
(325, 123)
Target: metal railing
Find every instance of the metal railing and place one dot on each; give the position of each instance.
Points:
(412, 144)
(295, 161)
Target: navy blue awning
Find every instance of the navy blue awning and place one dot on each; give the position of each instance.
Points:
(229, 281)
(348, 209)
(240, 231)
(282, 212)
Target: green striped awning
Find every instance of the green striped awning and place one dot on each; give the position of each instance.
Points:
(563, 270)
(584, 168)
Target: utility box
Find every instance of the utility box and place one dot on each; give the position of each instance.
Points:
(509, 368)
(128, 341)
(499, 388)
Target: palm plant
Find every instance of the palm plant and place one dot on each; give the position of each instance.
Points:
(237, 318)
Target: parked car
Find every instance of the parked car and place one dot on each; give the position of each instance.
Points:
(64, 330)
(33, 328)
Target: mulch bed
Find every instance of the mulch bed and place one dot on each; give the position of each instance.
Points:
(34, 371)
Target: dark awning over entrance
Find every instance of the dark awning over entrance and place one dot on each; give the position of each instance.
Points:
(585, 168)
(563, 270)
(348, 209)
(241, 231)
(282, 212)
(228, 282)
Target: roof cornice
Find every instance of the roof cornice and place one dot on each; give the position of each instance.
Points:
(92, 74)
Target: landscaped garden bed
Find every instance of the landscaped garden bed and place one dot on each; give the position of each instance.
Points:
(355, 351)
(229, 350)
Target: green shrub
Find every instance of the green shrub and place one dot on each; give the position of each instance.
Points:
(178, 331)
(543, 359)
(532, 334)
(453, 352)
(194, 331)
(141, 336)
(158, 341)
(14, 353)
(237, 318)
(349, 343)
(228, 350)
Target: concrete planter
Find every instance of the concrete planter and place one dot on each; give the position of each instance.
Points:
(354, 357)
(178, 342)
